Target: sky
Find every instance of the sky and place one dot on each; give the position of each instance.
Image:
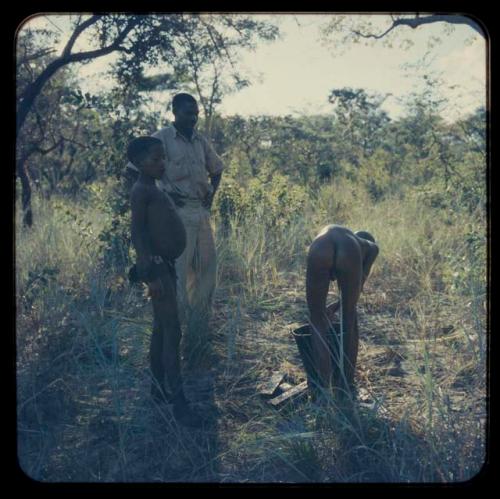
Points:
(299, 72)
(295, 74)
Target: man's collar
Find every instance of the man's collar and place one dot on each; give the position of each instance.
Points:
(195, 135)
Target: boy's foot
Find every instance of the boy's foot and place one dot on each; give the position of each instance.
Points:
(185, 415)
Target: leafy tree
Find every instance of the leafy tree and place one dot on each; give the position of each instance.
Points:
(244, 138)
(200, 61)
(53, 126)
(301, 149)
(360, 122)
(469, 141)
(205, 59)
(139, 42)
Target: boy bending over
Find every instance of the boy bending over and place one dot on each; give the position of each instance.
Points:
(347, 257)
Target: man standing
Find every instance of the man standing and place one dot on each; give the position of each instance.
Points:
(192, 176)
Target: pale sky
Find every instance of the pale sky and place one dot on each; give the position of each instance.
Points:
(299, 72)
(296, 73)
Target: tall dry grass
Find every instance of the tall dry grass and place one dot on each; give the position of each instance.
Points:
(84, 412)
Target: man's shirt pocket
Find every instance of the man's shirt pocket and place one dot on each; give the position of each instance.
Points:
(176, 169)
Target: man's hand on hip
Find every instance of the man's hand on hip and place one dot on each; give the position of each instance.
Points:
(177, 199)
(207, 202)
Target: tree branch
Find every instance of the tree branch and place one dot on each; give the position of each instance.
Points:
(44, 152)
(116, 45)
(420, 21)
(377, 37)
(217, 43)
(195, 66)
(78, 30)
(31, 92)
(28, 58)
(73, 141)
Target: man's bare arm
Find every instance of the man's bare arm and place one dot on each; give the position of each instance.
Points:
(215, 167)
(215, 181)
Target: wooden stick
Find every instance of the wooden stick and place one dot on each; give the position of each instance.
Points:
(271, 386)
(289, 394)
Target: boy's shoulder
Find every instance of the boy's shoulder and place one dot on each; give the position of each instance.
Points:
(140, 190)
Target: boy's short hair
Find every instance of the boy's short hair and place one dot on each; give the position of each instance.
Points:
(365, 235)
(139, 147)
(181, 99)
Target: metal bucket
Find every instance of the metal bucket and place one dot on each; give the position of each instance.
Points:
(303, 338)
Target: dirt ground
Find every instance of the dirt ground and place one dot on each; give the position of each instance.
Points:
(96, 422)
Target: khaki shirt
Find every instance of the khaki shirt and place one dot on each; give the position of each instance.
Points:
(188, 164)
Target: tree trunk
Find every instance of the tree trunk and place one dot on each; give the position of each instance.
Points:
(25, 193)
(30, 94)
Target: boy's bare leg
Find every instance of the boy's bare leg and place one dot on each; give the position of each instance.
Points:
(165, 309)
(349, 276)
(317, 283)
(158, 388)
(165, 346)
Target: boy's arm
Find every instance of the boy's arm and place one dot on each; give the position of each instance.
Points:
(138, 202)
(370, 256)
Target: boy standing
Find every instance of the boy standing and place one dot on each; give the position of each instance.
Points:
(159, 237)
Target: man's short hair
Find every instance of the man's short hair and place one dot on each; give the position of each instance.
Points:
(181, 99)
(365, 235)
(139, 147)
